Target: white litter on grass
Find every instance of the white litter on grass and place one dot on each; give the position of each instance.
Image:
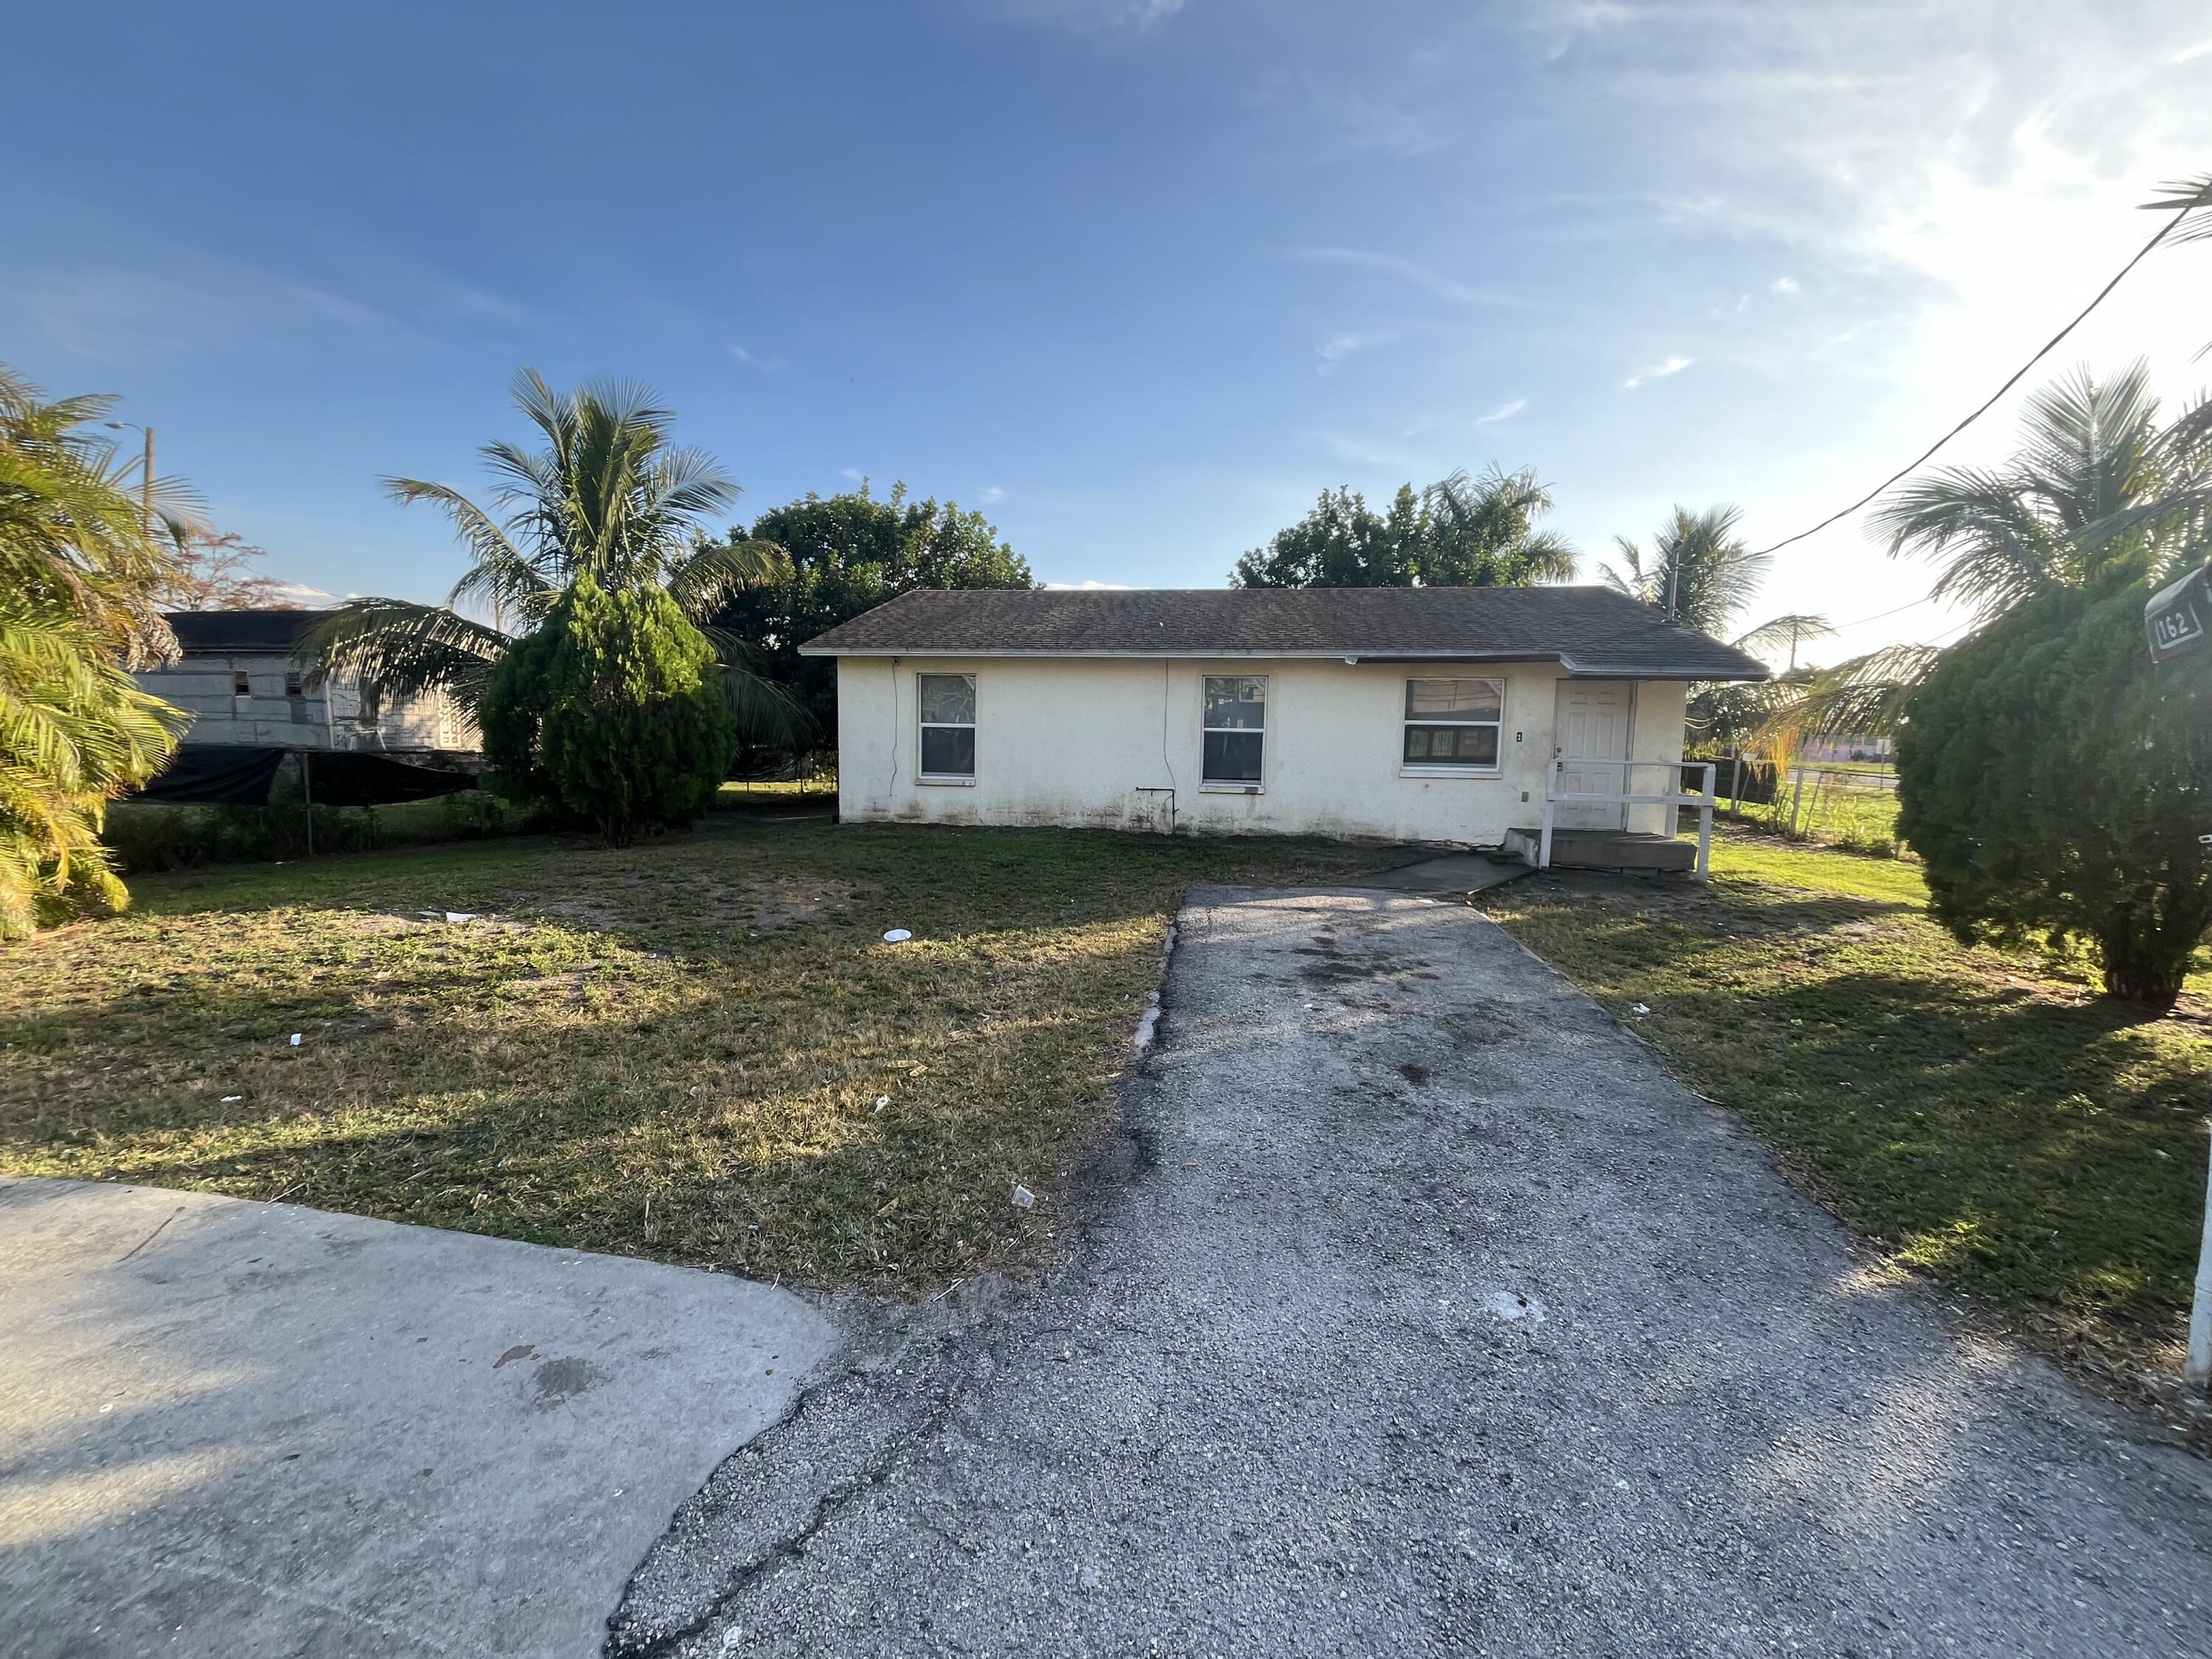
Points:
(1023, 1198)
(458, 916)
(1641, 1009)
(882, 1101)
(897, 936)
(227, 1099)
(295, 1039)
(1512, 1307)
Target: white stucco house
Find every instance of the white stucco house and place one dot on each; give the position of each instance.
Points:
(1413, 714)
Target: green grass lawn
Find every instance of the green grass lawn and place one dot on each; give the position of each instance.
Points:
(1999, 1130)
(700, 1049)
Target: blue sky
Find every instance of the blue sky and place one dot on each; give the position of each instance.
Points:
(1139, 278)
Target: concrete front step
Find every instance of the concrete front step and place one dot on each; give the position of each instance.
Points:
(1605, 849)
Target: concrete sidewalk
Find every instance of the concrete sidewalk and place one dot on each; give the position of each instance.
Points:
(231, 1429)
(1439, 1321)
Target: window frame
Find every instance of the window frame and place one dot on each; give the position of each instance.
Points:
(922, 774)
(1232, 786)
(1407, 721)
(241, 683)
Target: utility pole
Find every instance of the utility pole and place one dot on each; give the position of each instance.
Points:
(1793, 645)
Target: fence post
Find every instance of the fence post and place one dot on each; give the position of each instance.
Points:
(1705, 825)
(1735, 789)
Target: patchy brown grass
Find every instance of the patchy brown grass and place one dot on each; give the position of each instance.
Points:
(699, 1049)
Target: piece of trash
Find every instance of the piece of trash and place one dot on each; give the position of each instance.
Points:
(882, 1101)
(897, 936)
(1023, 1198)
(295, 1039)
(1641, 1008)
(227, 1099)
(460, 915)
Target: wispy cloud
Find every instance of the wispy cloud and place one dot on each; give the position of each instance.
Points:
(1338, 347)
(1407, 271)
(854, 473)
(1093, 586)
(1504, 411)
(993, 492)
(1786, 285)
(745, 356)
(1658, 371)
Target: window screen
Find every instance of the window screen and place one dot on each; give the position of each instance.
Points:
(947, 705)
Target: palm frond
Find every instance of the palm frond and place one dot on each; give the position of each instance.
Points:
(1792, 629)
(2190, 197)
(766, 712)
(1868, 694)
(499, 575)
(717, 571)
(402, 650)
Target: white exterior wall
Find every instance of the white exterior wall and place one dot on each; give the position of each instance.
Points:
(1101, 741)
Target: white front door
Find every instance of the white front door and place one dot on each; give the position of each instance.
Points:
(1590, 732)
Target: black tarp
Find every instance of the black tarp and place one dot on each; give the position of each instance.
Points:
(356, 780)
(242, 775)
(238, 775)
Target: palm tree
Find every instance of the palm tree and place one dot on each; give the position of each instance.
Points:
(1703, 576)
(1480, 533)
(608, 497)
(2097, 489)
(79, 571)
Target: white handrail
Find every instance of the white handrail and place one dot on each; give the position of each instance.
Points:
(1705, 802)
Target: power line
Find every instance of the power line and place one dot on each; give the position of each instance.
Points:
(2164, 231)
(1881, 616)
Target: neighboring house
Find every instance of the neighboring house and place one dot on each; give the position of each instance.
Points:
(1849, 746)
(1419, 714)
(239, 680)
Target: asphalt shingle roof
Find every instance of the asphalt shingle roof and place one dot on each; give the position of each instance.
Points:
(1589, 631)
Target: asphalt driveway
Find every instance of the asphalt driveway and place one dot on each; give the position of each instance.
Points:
(1435, 1319)
(232, 1430)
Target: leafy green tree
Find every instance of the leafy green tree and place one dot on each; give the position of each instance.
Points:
(608, 497)
(846, 554)
(1460, 531)
(2054, 782)
(609, 712)
(80, 569)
